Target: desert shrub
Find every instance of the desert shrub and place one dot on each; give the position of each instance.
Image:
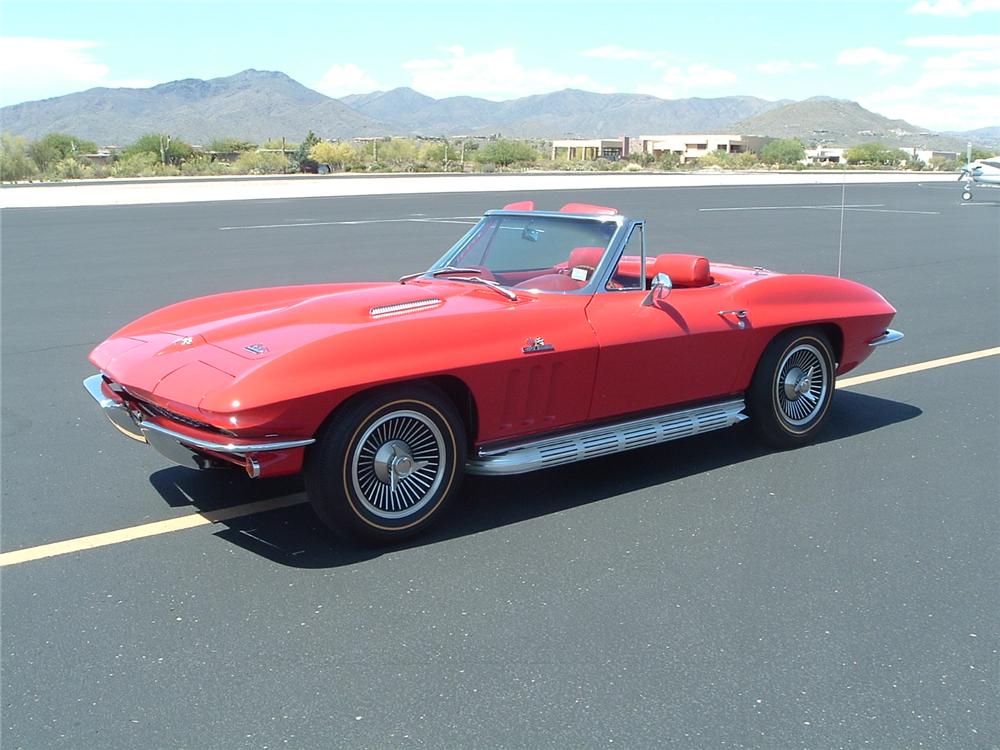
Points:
(69, 169)
(203, 165)
(143, 164)
(668, 161)
(162, 146)
(15, 161)
(54, 147)
(256, 162)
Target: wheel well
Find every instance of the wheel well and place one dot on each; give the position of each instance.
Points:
(453, 388)
(836, 336)
(460, 395)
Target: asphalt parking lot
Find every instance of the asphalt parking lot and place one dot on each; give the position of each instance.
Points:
(704, 593)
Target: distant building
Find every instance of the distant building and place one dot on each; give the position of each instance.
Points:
(582, 149)
(692, 146)
(825, 155)
(925, 155)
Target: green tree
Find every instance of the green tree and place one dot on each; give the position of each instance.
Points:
(167, 149)
(15, 161)
(503, 153)
(875, 154)
(301, 158)
(338, 154)
(397, 152)
(783, 152)
(981, 153)
(55, 147)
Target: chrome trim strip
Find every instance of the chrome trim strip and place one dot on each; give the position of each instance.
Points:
(403, 307)
(122, 418)
(602, 441)
(888, 337)
(237, 449)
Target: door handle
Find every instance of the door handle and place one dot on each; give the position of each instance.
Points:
(741, 316)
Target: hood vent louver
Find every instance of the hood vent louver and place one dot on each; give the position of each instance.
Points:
(399, 308)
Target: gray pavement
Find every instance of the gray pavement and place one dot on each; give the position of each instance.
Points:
(706, 593)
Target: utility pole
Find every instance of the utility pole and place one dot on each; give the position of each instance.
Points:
(463, 154)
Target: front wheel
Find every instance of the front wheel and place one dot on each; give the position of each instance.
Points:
(387, 464)
(790, 393)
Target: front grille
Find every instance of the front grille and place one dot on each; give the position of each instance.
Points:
(159, 411)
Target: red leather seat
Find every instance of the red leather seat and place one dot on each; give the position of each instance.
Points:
(684, 270)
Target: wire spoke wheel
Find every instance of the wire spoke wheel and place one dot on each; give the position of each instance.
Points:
(396, 464)
(800, 385)
(789, 396)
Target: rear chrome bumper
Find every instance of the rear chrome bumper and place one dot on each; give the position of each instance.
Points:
(888, 337)
(177, 446)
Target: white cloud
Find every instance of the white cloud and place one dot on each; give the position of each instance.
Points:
(783, 67)
(37, 68)
(341, 80)
(954, 7)
(956, 91)
(490, 75)
(957, 41)
(884, 61)
(614, 52)
(678, 82)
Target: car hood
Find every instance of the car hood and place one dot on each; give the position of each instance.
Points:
(205, 344)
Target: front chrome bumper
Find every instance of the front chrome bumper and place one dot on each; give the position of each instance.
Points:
(178, 447)
(886, 338)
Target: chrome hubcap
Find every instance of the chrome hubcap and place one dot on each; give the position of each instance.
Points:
(801, 385)
(396, 465)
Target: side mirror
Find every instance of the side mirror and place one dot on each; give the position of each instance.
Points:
(659, 290)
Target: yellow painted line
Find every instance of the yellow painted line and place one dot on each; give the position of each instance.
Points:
(155, 528)
(193, 520)
(895, 372)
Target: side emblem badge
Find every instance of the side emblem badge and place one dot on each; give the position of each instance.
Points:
(186, 341)
(256, 349)
(536, 344)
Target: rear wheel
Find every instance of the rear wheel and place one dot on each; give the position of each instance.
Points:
(790, 393)
(386, 465)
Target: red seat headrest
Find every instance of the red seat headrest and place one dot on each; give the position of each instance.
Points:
(585, 256)
(684, 270)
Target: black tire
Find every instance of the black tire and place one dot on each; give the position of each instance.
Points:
(791, 389)
(387, 464)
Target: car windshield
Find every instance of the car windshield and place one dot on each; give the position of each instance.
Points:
(517, 249)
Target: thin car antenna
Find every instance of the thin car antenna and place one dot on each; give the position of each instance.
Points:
(840, 249)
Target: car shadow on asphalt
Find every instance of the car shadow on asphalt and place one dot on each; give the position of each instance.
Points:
(294, 536)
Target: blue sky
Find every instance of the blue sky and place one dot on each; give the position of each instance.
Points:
(935, 63)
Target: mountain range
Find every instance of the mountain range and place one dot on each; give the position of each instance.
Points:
(257, 105)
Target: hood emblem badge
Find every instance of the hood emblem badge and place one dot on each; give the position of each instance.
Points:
(256, 349)
(536, 344)
(186, 341)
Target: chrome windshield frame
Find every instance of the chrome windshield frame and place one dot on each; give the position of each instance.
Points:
(598, 280)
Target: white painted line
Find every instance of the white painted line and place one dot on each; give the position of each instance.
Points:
(156, 528)
(889, 211)
(788, 208)
(350, 222)
(873, 207)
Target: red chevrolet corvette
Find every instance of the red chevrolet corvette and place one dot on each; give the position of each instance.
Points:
(540, 338)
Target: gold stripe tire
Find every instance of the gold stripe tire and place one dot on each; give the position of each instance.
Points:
(387, 463)
(792, 386)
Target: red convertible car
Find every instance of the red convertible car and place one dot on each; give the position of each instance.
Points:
(540, 338)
